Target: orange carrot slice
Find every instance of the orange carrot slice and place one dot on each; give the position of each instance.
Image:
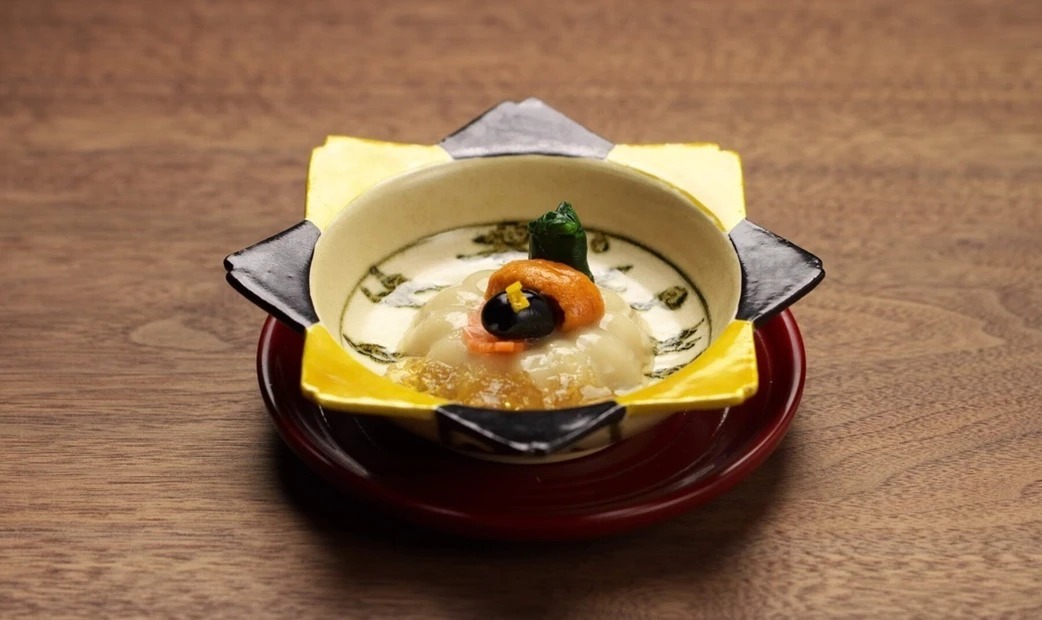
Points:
(579, 298)
(480, 341)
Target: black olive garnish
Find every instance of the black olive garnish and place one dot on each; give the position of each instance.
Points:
(537, 320)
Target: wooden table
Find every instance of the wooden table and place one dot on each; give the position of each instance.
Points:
(141, 142)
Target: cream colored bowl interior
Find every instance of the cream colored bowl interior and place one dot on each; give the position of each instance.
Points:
(607, 196)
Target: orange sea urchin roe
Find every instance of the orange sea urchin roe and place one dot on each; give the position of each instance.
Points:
(578, 297)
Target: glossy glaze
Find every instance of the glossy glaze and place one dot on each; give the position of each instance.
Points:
(274, 274)
(527, 127)
(538, 433)
(775, 272)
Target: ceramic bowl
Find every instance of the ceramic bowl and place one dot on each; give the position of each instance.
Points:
(388, 225)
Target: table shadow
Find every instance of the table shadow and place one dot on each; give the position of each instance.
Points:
(522, 580)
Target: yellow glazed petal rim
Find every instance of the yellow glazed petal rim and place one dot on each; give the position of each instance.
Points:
(346, 167)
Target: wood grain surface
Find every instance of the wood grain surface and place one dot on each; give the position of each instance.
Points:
(140, 142)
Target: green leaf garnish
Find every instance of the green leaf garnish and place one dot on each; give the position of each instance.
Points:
(559, 236)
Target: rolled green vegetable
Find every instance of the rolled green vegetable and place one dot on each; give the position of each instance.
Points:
(559, 236)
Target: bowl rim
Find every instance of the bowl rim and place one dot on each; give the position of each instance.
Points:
(343, 228)
(722, 375)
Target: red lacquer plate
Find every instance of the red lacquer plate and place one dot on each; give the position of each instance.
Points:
(678, 465)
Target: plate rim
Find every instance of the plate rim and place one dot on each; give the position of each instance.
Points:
(780, 334)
